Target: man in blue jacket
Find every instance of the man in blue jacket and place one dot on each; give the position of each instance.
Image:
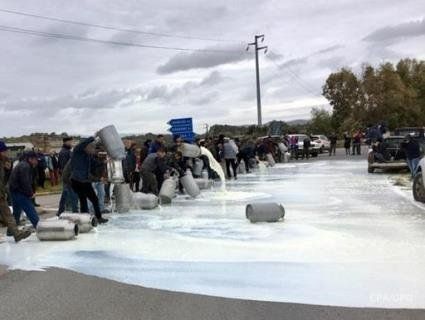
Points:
(83, 164)
(12, 228)
(21, 188)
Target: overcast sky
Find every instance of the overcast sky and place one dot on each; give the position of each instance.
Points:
(59, 85)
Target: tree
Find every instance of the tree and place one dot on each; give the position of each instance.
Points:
(342, 89)
(390, 94)
(321, 122)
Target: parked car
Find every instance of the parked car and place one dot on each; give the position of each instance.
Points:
(393, 155)
(322, 141)
(314, 149)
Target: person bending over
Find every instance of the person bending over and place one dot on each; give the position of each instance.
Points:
(152, 164)
(83, 164)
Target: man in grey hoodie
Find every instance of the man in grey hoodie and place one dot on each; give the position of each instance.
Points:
(230, 152)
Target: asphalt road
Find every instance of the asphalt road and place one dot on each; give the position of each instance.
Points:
(59, 294)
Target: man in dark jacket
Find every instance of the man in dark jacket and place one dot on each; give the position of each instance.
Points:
(246, 152)
(158, 143)
(5, 214)
(333, 139)
(65, 153)
(130, 162)
(153, 163)
(306, 148)
(68, 195)
(21, 188)
(41, 169)
(413, 153)
(82, 166)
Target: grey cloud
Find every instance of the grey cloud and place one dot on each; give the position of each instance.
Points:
(185, 20)
(333, 62)
(126, 37)
(404, 30)
(91, 100)
(305, 59)
(46, 105)
(179, 94)
(213, 78)
(204, 59)
(271, 55)
(63, 29)
(294, 62)
(329, 49)
(206, 99)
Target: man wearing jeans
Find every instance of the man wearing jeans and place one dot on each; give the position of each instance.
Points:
(5, 214)
(20, 185)
(413, 153)
(68, 195)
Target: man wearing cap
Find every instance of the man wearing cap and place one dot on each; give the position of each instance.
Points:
(68, 195)
(65, 153)
(21, 188)
(12, 228)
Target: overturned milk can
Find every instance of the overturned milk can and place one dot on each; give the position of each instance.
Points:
(264, 212)
(145, 201)
(190, 150)
(56, 230)
(204, 183)
(168, 190)
(190, 185)
(85, 221)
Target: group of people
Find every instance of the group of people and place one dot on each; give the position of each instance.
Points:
(353, 142)
(83, 171)
(47, 167)
(148, 165)
(80, 169)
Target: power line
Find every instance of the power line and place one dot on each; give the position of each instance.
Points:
(118, 43)
(157, 34)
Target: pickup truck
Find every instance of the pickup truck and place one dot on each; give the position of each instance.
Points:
(394, 158)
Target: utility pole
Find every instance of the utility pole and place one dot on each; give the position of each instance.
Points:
(206, 126)
(257, 69)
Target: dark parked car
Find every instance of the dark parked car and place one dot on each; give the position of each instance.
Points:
(394, 157)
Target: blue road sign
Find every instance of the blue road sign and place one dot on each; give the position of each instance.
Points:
(182, 127)
(189, 137)
(180, 122)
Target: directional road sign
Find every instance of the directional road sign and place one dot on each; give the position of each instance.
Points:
(182, 127)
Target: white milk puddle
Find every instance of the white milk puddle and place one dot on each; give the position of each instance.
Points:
(348, 239)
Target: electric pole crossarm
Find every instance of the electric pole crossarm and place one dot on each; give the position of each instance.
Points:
(257, 72)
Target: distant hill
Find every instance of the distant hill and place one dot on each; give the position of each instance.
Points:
(53, 141)
(298, 122)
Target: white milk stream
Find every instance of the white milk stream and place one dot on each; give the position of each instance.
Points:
(215, 166)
